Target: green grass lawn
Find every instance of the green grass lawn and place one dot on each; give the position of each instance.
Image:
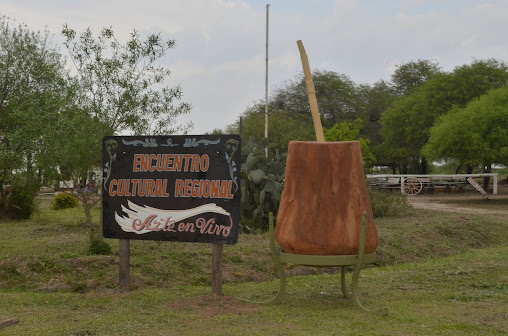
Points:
(438, 273)
(464, 294)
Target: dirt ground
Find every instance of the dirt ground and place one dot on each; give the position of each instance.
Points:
(209, 305)
(470, 203)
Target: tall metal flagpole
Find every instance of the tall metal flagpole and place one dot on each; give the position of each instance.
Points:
(266, 79)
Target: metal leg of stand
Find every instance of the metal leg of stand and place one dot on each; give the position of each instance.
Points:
(358, 268)
(343, 261)
(278, 264)
(345, 292)
(359, 264)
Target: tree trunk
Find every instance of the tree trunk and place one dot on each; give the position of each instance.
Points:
(458, 169)
(29, 165)
(3, 195)
(2, 206)
(486, 180)
(424, 166)
(89, 198)
(89, 223)
(403, 168)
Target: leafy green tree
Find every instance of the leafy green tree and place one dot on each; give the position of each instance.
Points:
(283, 127)
(337, 95)
(402, 139)
(474, 135)
(408, 76)
(76, 154)
(350, 131)
(339, 99)
(216, 131)
(406, 126)
(376, 99)
(124, 88)
(34, 92)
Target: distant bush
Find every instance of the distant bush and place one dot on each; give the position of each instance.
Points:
(21, 198)
(389, 204)
(99, 247)
(64, 201)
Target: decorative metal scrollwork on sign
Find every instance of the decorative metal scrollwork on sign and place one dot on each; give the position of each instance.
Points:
(169, 143)
(110, 145)
(232, 144)
(192, 142)
(146, 143)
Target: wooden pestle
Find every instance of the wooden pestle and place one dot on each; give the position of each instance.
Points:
(311, 91)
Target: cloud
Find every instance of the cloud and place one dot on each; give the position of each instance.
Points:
(220, 45)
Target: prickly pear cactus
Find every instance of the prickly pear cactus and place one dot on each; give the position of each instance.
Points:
(262, 184)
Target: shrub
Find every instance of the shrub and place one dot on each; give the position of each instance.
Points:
(21, 199)
(64, 201)
(99, 247)
(389, 204)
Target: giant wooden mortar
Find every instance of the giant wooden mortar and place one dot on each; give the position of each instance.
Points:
(324, 197)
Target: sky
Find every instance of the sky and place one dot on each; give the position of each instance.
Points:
(219, 57)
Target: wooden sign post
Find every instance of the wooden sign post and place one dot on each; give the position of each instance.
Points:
(217, 269)
(124, 280)
(175, 188)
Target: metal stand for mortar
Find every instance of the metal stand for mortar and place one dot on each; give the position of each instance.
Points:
(357, 261)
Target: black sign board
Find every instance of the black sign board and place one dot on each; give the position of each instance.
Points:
(178, 188)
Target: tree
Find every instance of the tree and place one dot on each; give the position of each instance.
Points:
(337, 95)
(35, 91)
(122, 83)
(402, 137)
(350, 131)
(410, 75)
(406, 126)
(283, 127)
(76, 154)
(339, 98)
(474, 135)
(123, 91)
(376, 99)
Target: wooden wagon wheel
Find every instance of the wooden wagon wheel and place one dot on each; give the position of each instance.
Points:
(412, 186)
